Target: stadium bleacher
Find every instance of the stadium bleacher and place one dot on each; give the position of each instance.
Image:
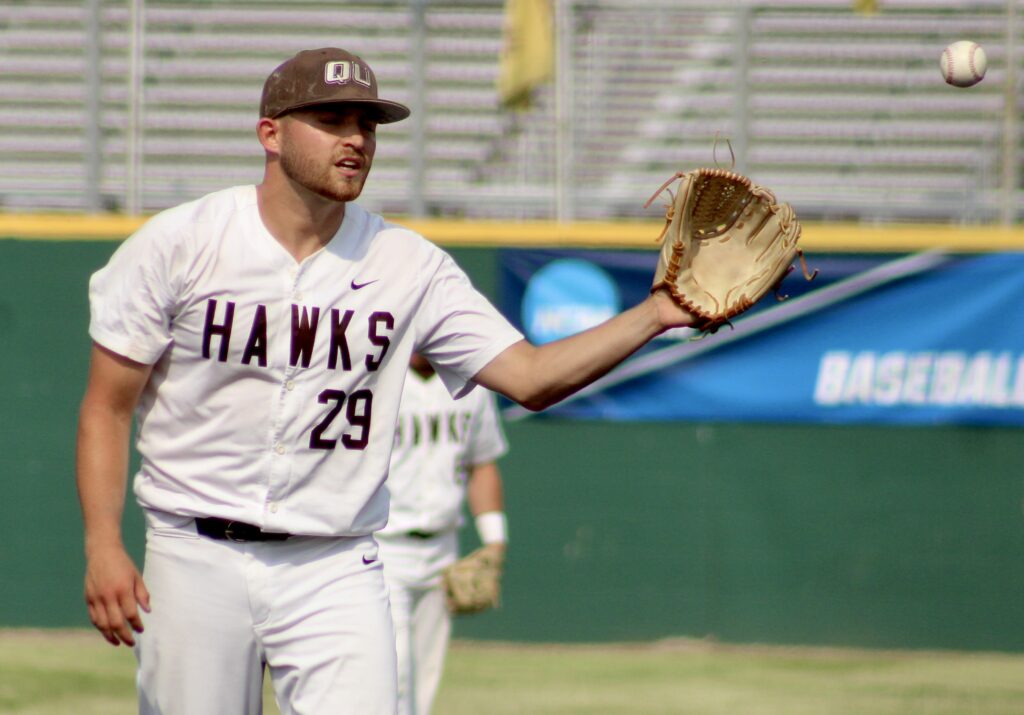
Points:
(811, 95)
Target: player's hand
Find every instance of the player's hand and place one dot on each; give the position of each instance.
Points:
(114, 592)
(670, 313)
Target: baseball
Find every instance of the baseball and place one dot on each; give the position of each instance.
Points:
(963, 63)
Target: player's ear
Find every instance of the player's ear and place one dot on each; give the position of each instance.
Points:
(269, 133)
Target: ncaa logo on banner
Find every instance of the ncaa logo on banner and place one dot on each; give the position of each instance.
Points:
(565, 297)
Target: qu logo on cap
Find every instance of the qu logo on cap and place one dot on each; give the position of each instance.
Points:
(345, 71)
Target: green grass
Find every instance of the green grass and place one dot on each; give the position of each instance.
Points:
(687, 677)
(76, 673)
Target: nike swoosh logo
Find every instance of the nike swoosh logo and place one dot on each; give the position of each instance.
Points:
(357, 286)
(369, 561)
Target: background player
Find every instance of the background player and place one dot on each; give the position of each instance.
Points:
(445, 451)
(262, 334)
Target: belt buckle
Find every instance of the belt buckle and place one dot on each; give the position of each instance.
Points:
(229, 535)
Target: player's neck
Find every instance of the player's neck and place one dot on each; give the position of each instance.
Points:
(302, 225)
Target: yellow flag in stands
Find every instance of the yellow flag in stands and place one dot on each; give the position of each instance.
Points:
(528, 52)
(865, 7)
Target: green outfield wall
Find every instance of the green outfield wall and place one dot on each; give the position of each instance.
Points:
(868, 536)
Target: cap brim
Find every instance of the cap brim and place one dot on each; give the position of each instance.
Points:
(386, 111)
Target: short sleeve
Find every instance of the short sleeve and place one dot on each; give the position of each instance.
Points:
(131, 298)
(457, 328)
(487, 440)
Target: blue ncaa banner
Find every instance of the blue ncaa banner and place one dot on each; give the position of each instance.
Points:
(929, 338)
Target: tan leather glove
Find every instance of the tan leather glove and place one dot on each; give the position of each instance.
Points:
(726, 243)
(473, 583)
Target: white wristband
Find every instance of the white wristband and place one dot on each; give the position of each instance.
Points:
(492, 527)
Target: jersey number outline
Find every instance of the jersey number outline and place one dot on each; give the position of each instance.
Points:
(359, 413)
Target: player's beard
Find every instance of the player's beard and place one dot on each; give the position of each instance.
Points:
(322, 178)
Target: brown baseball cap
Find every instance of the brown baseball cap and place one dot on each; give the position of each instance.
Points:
(328, 75)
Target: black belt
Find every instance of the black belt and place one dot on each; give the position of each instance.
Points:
(225, 529)
(417, 534)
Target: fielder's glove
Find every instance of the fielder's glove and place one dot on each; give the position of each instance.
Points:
(473, 583)
(727, 242)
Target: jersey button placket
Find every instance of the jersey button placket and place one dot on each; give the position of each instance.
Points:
(287, 407)
(287, 410)
(295, 290)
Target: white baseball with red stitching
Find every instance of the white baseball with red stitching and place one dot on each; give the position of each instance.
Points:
(963, 63)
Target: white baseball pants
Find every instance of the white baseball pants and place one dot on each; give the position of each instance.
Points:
(412, 568)
(313, 610)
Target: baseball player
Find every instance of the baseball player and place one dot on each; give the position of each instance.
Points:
(260, 336)
(444, 450)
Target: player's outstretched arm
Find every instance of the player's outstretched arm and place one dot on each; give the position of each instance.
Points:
(539, 376)
(113, 585)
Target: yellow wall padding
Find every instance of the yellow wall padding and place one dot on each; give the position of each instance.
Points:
(583, 234)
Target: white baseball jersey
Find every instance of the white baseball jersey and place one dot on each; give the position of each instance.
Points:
(276, 384)
(437, 440)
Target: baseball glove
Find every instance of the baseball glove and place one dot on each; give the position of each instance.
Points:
(473, 583)
(726, 243)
